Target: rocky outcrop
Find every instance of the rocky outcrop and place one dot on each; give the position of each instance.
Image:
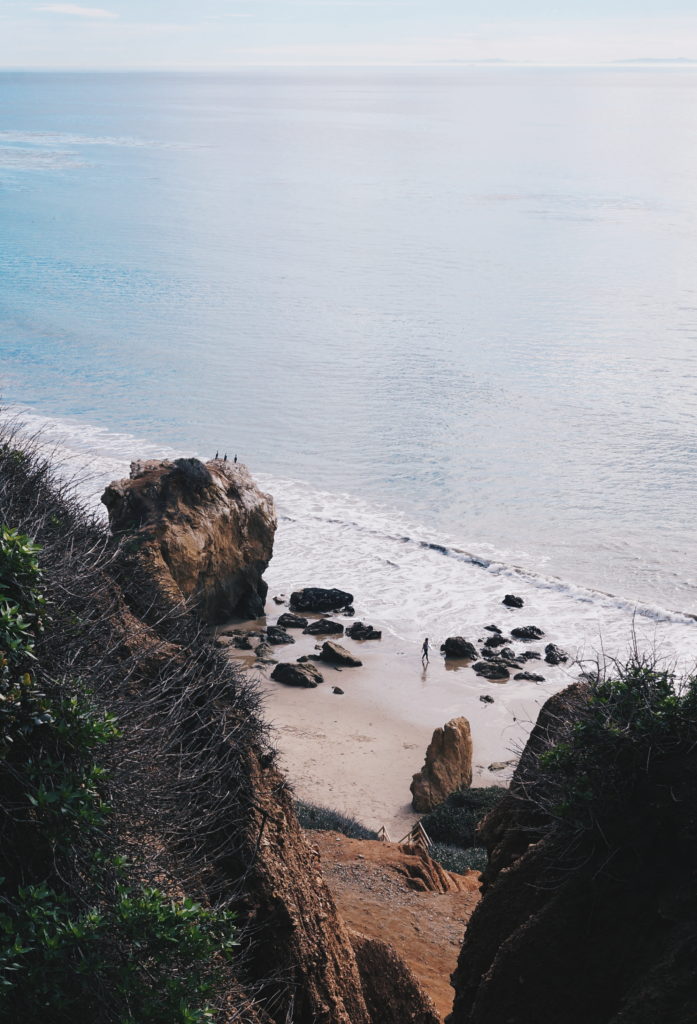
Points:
(447, 768)
(319, 599)
(458, 647)
(604, 932)
(335, 654)
(294, 674)
(205, 531)
(379, 966)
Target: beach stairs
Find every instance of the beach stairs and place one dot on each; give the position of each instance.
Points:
(417, 836)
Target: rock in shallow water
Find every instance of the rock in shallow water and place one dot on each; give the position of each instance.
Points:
(530, 677)
(527, 633)
(292, 674)
(318, 599)
(497, 640)
(554, 655)
(361, 631)
(511, 601)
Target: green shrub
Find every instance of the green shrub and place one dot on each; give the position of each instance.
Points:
(455, 858)
(602, 776)
(325, 819)
(150, 956)
(75, 946)
(455, 820)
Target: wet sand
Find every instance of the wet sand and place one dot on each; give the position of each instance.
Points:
(357, 752)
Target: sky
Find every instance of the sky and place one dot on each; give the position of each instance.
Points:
(218, 34)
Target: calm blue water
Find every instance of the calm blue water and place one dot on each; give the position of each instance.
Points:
(460, 305)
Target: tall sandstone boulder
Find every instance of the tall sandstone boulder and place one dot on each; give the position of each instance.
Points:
(205, 530)
(447, 768)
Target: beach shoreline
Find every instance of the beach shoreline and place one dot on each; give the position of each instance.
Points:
(356, 752)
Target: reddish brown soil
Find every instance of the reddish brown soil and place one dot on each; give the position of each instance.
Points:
(376, 888)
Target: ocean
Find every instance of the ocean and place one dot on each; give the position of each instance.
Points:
(447, 316)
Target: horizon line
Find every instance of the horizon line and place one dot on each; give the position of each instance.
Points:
(494, 63)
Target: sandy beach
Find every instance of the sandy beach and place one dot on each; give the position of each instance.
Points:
(357, 751)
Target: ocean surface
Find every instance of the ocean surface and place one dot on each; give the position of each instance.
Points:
(447, 316)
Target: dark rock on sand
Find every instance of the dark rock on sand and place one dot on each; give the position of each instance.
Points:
(530, 677)
(291, 621)
(486, 699)
(458, 647)
(242, 643)
(264, 652)
(491, 671)
(321, 626)
(511, 601)
(337, 689)
(276, 635)
(527, 633)
(293, 674)
(529, 656)
(497, 640)
(361, 631)
(554, 655)
(509, 653)
(335, 654)
(318, 599)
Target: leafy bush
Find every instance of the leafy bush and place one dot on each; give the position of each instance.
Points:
(66, 957)
(602, 777)
(325, 819)
(150, 955)
(455, 858)
(455, 820)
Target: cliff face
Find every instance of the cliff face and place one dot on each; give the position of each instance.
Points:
(206, 531)
(603, 932)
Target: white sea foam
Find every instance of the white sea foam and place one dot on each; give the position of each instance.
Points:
(37, 138)
(403, 579)
(17, 158)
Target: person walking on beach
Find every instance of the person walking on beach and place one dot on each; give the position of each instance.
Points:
(424, 653)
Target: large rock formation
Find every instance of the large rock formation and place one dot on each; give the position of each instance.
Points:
(388, 1003)
(447, 768)
(206, 531)
(601, 928)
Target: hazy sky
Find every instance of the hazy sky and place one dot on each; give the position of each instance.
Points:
(223, 33)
